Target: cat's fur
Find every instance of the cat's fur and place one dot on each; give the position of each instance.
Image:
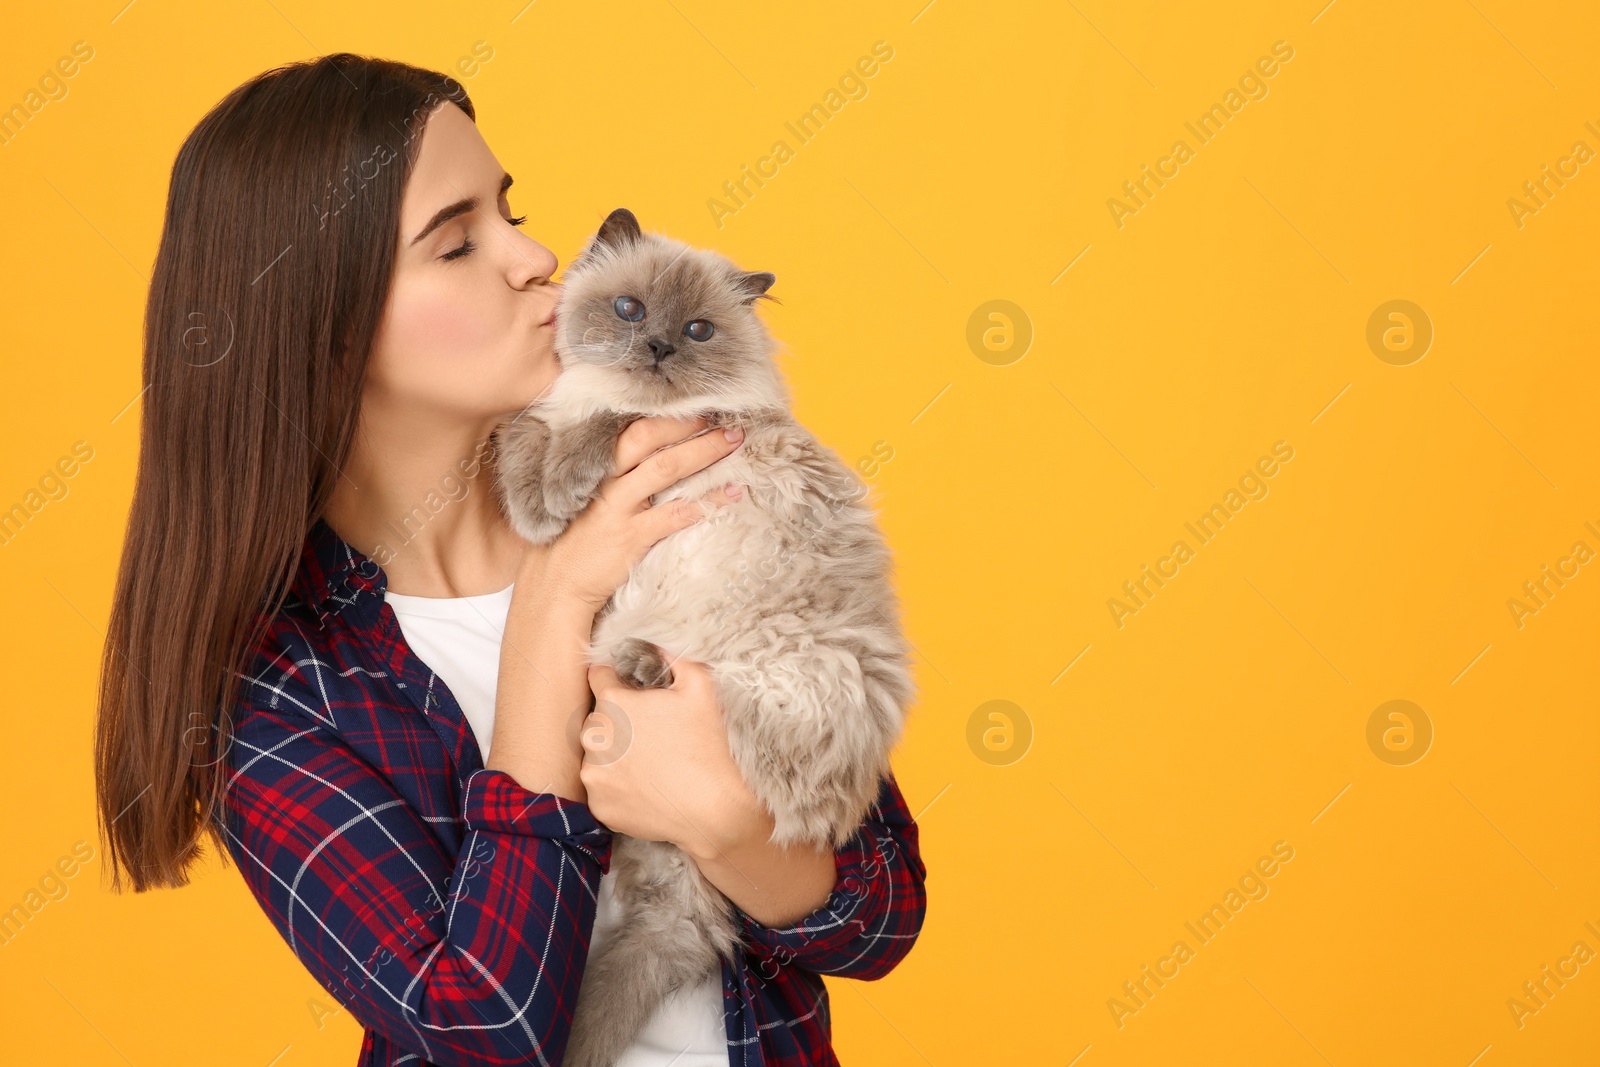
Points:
(784, 593)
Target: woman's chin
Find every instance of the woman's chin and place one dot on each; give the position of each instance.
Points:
(539, 390)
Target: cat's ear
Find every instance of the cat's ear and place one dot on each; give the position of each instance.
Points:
(619, 229)
(753, 285)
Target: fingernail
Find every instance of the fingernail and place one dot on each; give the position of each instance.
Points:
(733, 433)
(734, 490)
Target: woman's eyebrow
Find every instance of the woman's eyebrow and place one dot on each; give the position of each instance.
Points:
(460, 207)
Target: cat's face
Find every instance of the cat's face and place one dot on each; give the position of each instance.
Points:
(667, 321)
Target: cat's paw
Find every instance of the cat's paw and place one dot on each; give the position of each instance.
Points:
(521, 446)
(572, 479)
(564, 500)
(537, 526)
(641, 665)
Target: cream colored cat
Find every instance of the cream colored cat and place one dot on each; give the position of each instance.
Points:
(785, 593)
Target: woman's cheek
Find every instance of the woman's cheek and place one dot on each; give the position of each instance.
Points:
(443, 322)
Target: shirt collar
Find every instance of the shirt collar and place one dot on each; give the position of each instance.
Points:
(331, 572)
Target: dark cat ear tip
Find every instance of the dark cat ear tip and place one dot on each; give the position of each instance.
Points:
(755, 283)
(619, 228)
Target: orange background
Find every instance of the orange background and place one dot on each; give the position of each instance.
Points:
(1138, 771)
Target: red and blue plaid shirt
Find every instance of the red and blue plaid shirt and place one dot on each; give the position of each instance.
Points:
(447, 907)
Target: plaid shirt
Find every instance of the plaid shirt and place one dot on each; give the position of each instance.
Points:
(447, 907)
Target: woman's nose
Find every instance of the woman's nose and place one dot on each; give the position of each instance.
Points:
(534, 264)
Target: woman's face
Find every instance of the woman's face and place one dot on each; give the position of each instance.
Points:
(467, 329)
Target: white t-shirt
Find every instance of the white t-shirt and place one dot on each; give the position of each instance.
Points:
(459, 639)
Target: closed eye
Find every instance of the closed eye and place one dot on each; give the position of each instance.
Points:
(468, 246)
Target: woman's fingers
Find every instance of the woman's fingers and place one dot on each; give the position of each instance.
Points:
(599, 547)
(692, 676)
(687, 674)
(603, 679)
(671, 465)
(674, 515)
(643, 436)
(725, 494)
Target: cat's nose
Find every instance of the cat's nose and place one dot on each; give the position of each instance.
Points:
(661, 349)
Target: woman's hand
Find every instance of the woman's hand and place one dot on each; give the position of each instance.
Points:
(656, 766)
(656, 763)
(594, 554)
(560, 587)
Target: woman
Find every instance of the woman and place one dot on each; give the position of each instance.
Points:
(342, 311)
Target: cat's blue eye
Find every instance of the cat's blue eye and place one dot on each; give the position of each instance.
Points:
(699, 330)
(629, 308)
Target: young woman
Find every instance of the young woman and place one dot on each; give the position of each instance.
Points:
(331, 656)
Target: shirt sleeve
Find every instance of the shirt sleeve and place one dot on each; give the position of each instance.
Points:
(468, 959)
(875, 911)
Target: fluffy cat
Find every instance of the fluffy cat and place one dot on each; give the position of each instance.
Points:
(784, 593)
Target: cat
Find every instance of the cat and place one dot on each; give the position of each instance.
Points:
(785, 593)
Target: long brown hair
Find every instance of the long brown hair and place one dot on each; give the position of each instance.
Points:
(269, 284)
